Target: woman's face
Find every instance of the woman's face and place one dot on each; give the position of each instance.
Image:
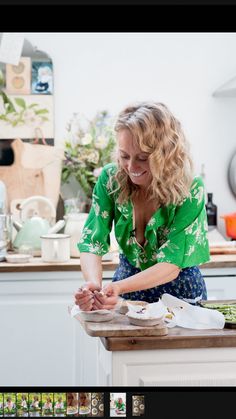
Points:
(133, 160)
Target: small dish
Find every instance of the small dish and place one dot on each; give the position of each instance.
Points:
(97, 315)
(124, 308)
(18, 258)
(94, 402)
(94, 411)
(151, 321)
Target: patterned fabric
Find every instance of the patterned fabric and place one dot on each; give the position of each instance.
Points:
(189, 285)
(175, 234)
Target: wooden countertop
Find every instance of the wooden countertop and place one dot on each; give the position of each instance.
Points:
(36, 264)
(119, 335)
(177, 338)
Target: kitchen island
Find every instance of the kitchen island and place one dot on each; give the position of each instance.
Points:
(34, 300)
(182, 357)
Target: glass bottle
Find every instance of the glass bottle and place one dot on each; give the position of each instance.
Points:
(211, 210)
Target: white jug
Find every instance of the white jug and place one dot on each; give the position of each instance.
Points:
(74, 226)
(55, 247)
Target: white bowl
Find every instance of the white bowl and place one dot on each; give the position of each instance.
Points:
(18, 258)
(124, 308)
(97, 315)
(151, 321)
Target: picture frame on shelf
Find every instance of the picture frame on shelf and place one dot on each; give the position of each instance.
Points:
(42, 78)
(18, 77)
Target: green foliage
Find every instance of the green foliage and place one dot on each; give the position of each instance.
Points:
(16, 112)
(87, 150)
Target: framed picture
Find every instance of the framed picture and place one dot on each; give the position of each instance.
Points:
(2, 75)
(18, 77)
(27, 117)
(42, 78)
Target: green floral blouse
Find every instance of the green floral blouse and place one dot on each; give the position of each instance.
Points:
(175, 233)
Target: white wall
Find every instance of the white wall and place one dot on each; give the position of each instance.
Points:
(95, 71)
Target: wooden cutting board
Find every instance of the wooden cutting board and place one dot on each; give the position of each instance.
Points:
(119, 326)
(36, 171)
(223, 250)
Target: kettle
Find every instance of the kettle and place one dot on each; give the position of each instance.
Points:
(29, 232)
(230, 224)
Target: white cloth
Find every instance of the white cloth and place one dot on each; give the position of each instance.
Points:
(191, 317)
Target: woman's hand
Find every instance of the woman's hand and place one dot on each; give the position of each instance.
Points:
(107, 298)
(84, 297)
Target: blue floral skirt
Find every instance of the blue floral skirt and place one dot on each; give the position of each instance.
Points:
(189, 284)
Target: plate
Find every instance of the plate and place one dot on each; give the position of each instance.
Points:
(124, 309)
(152, 321)
(18, 258)
(101, 407)
(84, 410)
(72, 410)
(94, 402)
(97, 316)
(213, 304)
(94, 411)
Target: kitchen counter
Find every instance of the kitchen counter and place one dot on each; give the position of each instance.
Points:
(182, 357)
(119, 335)
(37, 265)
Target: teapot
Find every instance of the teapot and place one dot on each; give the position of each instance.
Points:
(34, 226)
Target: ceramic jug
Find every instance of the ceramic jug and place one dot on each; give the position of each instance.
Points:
(74, 226)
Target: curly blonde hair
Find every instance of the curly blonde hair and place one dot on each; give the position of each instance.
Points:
(158, 133)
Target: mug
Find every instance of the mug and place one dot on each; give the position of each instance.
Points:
(55, 247)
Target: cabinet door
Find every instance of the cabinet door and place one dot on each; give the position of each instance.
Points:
(39, 339)
(220, 283)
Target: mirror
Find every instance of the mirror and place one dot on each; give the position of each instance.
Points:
(26, 101)
(232, 174)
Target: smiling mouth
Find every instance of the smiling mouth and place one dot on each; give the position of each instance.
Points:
(137, 174)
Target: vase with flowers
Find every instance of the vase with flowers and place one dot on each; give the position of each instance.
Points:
(89, 145)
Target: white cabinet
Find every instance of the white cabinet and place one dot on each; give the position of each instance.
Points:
(220, 283)
(168, 367)
(41, 345)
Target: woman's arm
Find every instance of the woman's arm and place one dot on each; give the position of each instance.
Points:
(159, 274)
(91, 266)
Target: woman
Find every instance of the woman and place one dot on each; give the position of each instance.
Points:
(158, 209)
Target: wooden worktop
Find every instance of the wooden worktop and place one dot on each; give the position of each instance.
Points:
(119, 335)
(177, 338)
(37, 265)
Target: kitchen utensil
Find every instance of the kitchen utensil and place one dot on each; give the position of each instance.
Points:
(55, 247)
(223, 250)
(119, 326)
(3, 198)
(37, 216)
(230, 224)
(5, 234)
(35, 168)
